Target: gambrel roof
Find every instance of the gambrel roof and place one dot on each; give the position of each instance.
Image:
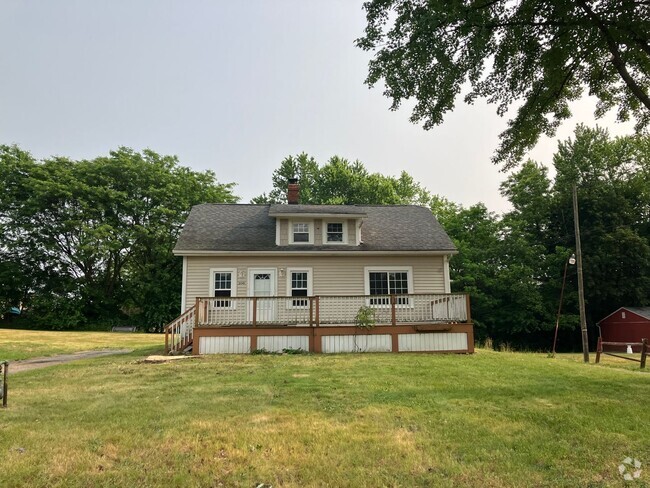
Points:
(241, 227)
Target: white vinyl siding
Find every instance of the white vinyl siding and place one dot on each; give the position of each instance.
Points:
(224, 345)
(357, 343)
(184, 285)
(441, 341)
(284, 232)
(279, 343)
(332, 275)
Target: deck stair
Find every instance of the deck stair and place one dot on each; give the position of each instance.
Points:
(179, 333)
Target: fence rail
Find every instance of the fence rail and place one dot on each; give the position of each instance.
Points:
(643, 344)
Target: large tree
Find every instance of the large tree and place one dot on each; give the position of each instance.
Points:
(535, 55)
(89, 242)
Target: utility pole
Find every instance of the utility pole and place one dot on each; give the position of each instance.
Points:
(581, 290)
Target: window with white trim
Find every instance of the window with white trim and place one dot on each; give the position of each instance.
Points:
(222, 286)
(301, 233)
(334, 232)
(388, 282)
(299, 285)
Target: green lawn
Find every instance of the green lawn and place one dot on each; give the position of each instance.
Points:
(24, 344)
(489, 419)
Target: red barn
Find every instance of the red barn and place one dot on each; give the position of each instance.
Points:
(627, 324)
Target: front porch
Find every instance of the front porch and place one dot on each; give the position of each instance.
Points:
(413, 322)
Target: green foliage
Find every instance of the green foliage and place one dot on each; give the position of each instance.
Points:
(613, 178)
(261, 351)
(93, 238)
(365, 318)
(538, 56)
(513, 265)
(342, 182)
(289, 350)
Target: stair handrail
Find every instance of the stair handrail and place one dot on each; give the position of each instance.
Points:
(180, 331)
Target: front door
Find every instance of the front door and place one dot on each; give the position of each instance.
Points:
(262, 284)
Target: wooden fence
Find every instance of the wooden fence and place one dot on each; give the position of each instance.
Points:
(643, 344)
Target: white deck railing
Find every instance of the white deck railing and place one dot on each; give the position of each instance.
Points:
(331, 310)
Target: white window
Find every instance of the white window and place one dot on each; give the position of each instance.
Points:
(299, 287)
(223, 285)
(301, 233)
(335, 233)
(383, 282)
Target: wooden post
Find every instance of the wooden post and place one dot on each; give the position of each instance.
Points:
(644, 352)
(393, 314)
(317, 299)
(254, 311)
(469, 310)
(5, 367)
(197, 304)
(311, 314)
(311, 340)
(318, 339)
(599, 349)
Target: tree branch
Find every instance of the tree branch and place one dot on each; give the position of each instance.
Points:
(617, 60)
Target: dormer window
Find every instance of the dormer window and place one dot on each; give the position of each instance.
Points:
(301, 233)
(335, 232)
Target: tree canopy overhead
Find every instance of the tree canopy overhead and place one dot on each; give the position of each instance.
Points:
(536, 55)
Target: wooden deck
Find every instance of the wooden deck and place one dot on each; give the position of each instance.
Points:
(397, 323)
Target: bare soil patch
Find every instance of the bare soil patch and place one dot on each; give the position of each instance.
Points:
(44, 362)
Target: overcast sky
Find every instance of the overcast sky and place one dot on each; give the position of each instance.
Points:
(230, 86)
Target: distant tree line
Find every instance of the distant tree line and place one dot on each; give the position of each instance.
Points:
(88, 243)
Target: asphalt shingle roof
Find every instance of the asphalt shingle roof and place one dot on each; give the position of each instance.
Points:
(237, 227)
(642, 311)
(283, 209)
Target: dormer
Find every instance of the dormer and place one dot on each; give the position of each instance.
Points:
(317, 225)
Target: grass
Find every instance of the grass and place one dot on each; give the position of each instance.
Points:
(492, 419)
(24, 344)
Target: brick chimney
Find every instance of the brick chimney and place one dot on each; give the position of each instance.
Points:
(293, 191)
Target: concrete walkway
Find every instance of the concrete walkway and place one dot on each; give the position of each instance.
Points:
(35, 363)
